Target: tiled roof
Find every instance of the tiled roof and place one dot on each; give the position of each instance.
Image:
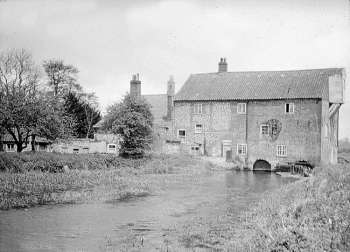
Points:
(159, 105)
(263, 85)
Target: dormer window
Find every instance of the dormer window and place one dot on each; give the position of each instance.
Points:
(289, 108)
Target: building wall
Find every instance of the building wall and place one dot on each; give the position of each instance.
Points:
(100, 144)
(299, 131)
(224, 128)
(38, 147)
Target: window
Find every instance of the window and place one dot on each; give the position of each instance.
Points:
(197, 108)
(241, 108)
(198, 128)
(281, 151)
(181, 133)
(241, 149)
(264, 129)
(10, 147)
(42, 147)
(111, 146)
(289, 108)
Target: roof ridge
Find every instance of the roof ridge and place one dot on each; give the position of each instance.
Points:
(270, 71)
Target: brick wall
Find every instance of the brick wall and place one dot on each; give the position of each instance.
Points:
(300, 131)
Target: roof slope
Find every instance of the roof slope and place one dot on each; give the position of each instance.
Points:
(264, 85)
(158, 104)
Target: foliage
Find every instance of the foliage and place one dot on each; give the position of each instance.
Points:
(83, 109)
(132, 119)
(21, 107)
(61, 77)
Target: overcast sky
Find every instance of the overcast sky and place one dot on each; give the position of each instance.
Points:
(109, 40)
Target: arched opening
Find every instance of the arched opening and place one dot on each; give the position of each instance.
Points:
(261, 165)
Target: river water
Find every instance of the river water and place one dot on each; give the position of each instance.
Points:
(142, 224)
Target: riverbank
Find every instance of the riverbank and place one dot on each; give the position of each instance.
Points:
(312, 214)
(98, 178)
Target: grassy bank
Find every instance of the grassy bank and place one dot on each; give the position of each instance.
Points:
(311, 214)
(28, 180)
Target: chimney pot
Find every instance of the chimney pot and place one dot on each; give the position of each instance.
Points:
(222, 65)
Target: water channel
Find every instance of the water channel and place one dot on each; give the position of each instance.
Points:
(138, 223)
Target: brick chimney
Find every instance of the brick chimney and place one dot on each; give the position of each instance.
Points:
(135, 87)
(170, 97)
(222, 65)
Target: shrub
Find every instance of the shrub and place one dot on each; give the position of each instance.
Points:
(132, 120)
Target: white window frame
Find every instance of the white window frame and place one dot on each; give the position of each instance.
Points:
(281, 150)
(178, 133)
(199, 129)
(261, 129)
(290, 105)
(242, 147)
(12, 149)
(241, 108)
(198, 108)
(110, 146)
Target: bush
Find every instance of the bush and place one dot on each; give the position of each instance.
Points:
(54, 162)
(132, 120)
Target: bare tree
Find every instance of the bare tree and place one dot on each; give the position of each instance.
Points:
(20, 107)
(63, 78)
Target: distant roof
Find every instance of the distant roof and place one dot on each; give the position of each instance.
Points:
(264, 85)
(98, 124)
(158, 104)
(9, 138)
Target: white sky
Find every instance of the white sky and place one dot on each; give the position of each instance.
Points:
(109, 40)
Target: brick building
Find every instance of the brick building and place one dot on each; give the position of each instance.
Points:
(261, 118)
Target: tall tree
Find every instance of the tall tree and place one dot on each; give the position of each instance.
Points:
(61, 77)
(83, 108)
(26, 111)
(91, 112)
(20, 106)
(132, 119)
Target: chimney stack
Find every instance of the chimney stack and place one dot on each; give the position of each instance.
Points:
(170, 97)
(135, 87)
(222, 65)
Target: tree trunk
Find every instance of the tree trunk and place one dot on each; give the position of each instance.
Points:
(33, 143)
(19, 146)
(1, 144)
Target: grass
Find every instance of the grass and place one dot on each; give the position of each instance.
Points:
(56, 162)
(311, 214)
(121, 179)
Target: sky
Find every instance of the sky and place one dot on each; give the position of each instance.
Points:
(110, 40)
